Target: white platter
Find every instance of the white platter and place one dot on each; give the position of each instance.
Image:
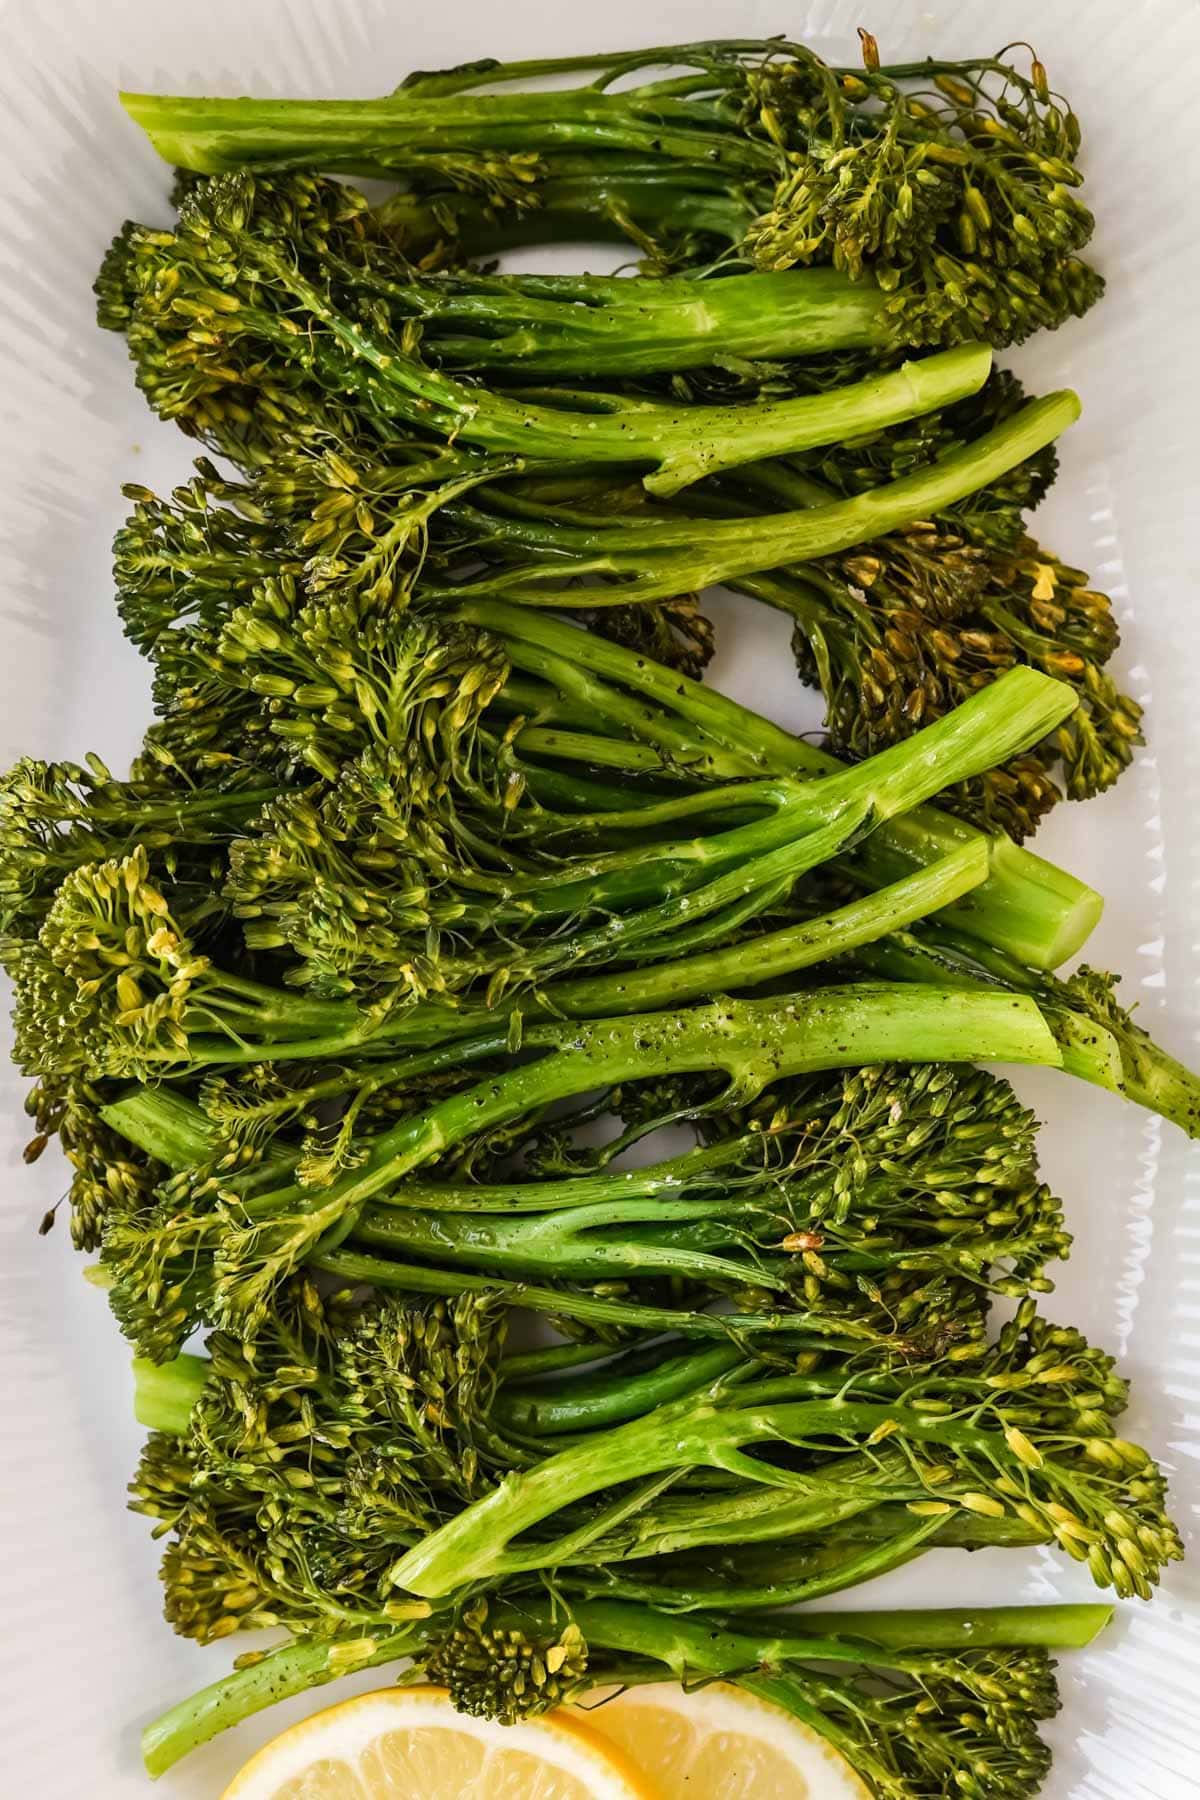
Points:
(85, 1655)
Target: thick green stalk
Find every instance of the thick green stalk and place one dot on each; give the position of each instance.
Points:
(164, 1393)
(680, 443)
(610, 1241)
(598, 327)
(659, 558)
(482, 1542)
(405, 132)
(1028, 907)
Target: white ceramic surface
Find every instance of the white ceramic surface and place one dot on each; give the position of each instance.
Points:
(84, 1656)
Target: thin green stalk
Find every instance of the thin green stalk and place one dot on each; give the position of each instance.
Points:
(774, 953)
(836, 1573)
(752, 1042)
(798, 1330)
(572, 1245)
(1055, 1627)
(294, 1668)
(694, 1646)
(588, 1402)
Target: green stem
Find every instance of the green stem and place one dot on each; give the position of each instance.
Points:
(753, 1042)
(571, 1245)
(165, 1393)
(1058, 1627)
(798, 1329)
(483, 1541)
(658, 558)
(598, 327)
(1028, 907)
(833, 1574)
(587, 1402)
(774, 953)
(405, 132)
(680, 443)
(292, 1669)
(692, 1646)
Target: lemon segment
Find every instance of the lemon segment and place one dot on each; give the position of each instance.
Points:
(720, 1743)
(410, 1744)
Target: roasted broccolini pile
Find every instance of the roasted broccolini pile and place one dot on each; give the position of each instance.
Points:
(391, 432)
(443, 887)
(287, 1481)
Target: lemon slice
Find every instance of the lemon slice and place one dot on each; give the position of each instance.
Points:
(410, 1744)
(720, 1743)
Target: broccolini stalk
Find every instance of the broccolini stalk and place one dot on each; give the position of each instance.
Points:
(1100, 1040)
(262, 1681)
(397, 1416)
(908, 1189)
(739, 1577)
(907, 1717)
(174, 1267)
(1027, 907)
(361, 896)
(486, 1656)
(286, 1476)
(904, 1715)
(113, 982)
(978, 1438)
(596, 327)
(951, 184)
(252, 256)
(653, 557)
